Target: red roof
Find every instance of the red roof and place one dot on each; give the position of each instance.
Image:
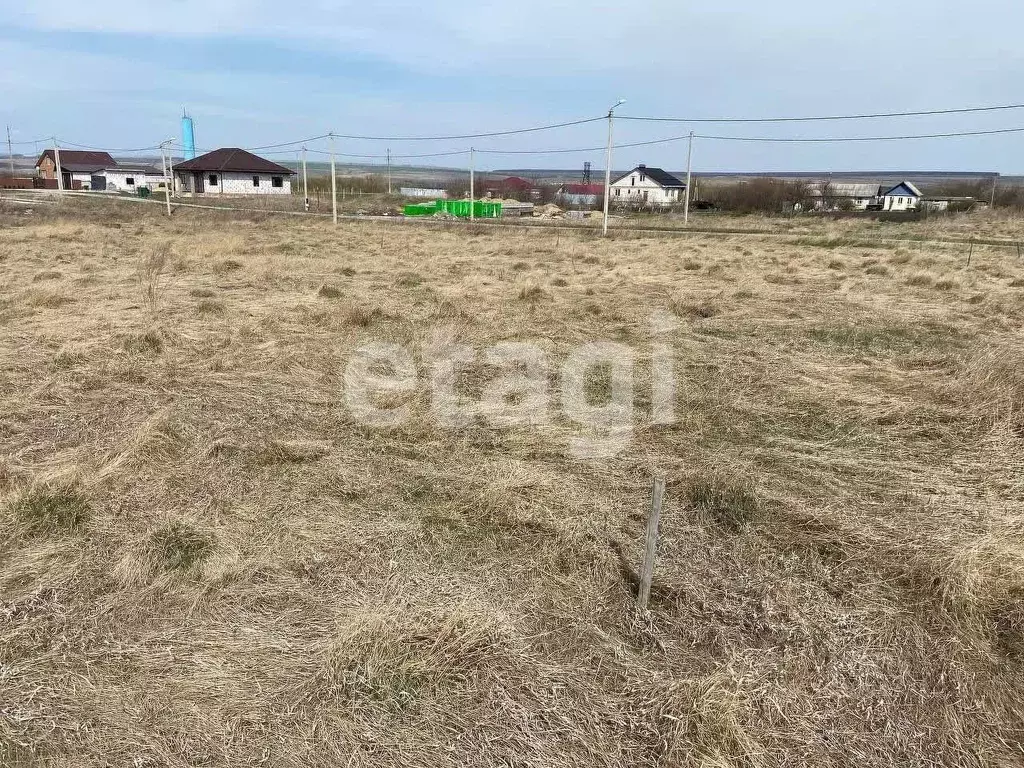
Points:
(95, 160)
(583, 189)
(232, 160)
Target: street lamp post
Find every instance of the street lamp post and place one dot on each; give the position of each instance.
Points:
(166, 148)
(608, 163)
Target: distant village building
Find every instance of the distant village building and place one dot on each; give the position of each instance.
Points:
(77, 167)
(128, 177)
(903, 197)
(98, 172)
(644, 186)
(833, 196)
(512, 187)
(232, 171)
(432, 193)
(584, 195)
(948, 202)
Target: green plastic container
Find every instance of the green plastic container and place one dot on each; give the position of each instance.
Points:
(482, 209)
(144, 191)
(420, 209)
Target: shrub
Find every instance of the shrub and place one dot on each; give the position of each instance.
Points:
(51, 509)
(731, 503)
(180, 546)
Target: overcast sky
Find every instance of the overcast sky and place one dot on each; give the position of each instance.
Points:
(117, 73)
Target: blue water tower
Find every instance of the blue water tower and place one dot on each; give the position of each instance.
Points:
(188, 136)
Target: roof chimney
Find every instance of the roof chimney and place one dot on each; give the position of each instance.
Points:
(641, 166)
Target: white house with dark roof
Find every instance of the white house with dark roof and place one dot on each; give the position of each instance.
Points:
(232, 171)
(646, 186)
(77, 167)
(903, 197)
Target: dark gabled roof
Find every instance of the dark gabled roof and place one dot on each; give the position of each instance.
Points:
(657, 175)
(232, 160)
(82, 161)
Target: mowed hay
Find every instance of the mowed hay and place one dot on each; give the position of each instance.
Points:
(206, 558)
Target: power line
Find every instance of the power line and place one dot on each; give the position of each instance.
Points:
(652, 142)
(842, 139)
(470, 135)
(866, 116)
(33, 141)
(795, 140)
(64, 143)
(288, 143)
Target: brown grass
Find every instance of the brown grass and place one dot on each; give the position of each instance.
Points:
(204, 560)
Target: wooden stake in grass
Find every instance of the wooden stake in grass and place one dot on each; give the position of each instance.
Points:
(970, 253)
(647, 567)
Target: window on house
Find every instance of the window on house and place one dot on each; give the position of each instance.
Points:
(618, 192)
(632, 180)
(276, 181)
(643, 179)
(212, 179)
(900, 201)
(255, 181)
(130, 181)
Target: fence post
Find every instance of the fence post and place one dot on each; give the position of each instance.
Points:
(647, 568)
(970, 253)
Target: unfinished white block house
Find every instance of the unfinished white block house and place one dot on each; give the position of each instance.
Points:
(232, 171)
(644, 186)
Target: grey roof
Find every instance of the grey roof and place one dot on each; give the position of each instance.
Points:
(149, 170)
(842, 189)
(657, 175)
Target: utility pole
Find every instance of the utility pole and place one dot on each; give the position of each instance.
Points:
(305, 181)
(608, 163)
(167, 178)
(56, 159)
(334, 182)
(10, 149)
(389, 170)
(689, 159)
(992, 202)
(472, 190)
(170, 170)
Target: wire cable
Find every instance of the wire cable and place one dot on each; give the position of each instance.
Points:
(470, 135)
(867, 116)
(794, 140)
(61, 142)
(842, 139)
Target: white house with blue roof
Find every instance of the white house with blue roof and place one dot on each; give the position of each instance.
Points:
(903, 197)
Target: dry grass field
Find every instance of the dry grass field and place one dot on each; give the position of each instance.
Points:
(206, 561)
